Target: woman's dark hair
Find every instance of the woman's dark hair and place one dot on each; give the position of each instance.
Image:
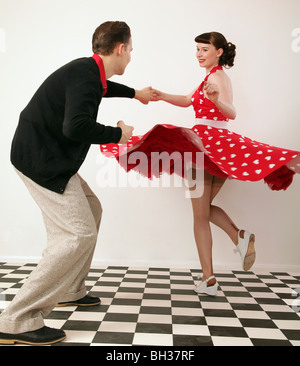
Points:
(108, 35)
(219, 41)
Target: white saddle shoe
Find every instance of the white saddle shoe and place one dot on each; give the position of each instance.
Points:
(246, 249)
(202, 288)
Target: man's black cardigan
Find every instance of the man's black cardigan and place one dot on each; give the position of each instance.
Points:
(58, 125)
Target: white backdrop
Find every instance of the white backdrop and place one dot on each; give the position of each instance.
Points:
(153, 226)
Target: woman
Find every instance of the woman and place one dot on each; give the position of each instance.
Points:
(227, 154)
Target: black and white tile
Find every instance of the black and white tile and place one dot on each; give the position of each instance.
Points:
(158, 307)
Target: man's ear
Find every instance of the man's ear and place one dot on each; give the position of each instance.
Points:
(120, 49)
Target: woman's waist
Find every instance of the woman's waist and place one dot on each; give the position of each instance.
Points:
(211, 123)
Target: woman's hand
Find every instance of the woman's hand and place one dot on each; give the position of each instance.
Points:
(221, 95)
(178, 100)
(157, 95)
(212, 91)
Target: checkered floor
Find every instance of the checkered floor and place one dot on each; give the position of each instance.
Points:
(158, 307)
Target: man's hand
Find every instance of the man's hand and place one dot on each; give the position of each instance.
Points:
(126, 132)
(145, 95)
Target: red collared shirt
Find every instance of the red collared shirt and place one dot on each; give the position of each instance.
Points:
(99, 62)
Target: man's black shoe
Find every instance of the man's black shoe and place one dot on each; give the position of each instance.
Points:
(85, 301)
(40, 337)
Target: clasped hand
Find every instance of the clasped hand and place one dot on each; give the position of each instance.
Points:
(146, 95)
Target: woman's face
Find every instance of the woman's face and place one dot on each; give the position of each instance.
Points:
(207, 55)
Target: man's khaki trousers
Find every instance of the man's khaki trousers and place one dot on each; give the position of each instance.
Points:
(72, 221)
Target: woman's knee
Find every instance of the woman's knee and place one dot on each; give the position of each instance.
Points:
(202, 216)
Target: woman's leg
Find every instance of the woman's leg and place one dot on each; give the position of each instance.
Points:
(204, 212)
(218, 216)
(222, 220)
(202, 231)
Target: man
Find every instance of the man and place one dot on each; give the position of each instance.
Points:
(52, 139)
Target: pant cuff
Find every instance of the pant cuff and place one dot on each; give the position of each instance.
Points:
(17, 327)
(73, 296)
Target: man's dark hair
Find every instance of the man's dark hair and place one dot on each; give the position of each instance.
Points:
(108, 35)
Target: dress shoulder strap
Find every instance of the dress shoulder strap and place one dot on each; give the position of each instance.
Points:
(213, 70)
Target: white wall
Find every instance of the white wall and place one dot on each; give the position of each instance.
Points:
(153, 226)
